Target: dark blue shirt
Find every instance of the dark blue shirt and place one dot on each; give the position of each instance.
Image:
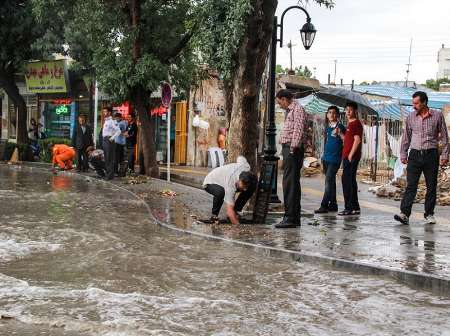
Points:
(333, 145)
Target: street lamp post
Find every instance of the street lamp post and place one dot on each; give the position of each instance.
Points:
(267, 187)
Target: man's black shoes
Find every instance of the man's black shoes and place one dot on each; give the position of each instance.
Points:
(284, 224)
(321, 210)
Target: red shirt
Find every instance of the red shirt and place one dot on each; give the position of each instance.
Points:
(353, 128)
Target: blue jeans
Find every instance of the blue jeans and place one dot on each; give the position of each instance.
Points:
(329, 196)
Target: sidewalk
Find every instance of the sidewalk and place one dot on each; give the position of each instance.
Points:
(374, 239)
(312, 192)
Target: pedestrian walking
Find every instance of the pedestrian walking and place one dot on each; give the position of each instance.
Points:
(110, 132)
(351, 155)
(331, 159)
(224, 182)
(62, 156)
(121, 141)
(131, 142)
(424, 129)
(293, 151)
(81, 140)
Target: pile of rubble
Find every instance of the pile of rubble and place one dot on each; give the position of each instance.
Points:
(311, 167)
(396, 188)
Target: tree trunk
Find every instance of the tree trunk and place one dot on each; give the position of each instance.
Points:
(147, 135)
(8, 83)
(252, 57)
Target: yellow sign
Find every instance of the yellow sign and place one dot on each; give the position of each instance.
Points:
(46, 77)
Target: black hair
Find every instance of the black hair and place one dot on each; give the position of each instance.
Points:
(108, 108)
(333, 107)
(83, 116)
(353, 105)
(285, 94)
(423, 96)
(248, 179)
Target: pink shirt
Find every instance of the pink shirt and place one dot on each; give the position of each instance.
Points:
(424, 133)
(294, 126)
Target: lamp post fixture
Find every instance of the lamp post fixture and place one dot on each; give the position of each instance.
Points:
(267, 187)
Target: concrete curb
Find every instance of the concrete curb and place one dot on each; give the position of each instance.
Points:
(437, 285)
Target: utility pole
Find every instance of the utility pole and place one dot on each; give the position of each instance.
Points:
(409, 64)
(335, 67)
(290, 52)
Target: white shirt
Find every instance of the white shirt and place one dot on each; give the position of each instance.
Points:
(111, 128)
(227, 176)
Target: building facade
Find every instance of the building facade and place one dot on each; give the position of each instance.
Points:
(443, 63)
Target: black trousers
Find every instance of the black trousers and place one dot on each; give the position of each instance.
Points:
(329, 196)
(292, 163)
(349, 184)
(109, 149)
(99, 166)
(426, 162)
(120, 156)
(82, 159)
(219, 193)
(131, 156)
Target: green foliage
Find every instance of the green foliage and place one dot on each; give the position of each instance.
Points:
(434, 84)
(223, 24)
(299, 71)
(99, 36)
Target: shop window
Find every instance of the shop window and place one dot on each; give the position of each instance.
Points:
(57, 120)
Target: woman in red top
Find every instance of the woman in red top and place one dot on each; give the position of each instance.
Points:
(351, 154)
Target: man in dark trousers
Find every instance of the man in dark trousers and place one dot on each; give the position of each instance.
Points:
(293, 151)
(424, 128)
(131, 142)
(110, 132)
(224, 182)
(81, 140)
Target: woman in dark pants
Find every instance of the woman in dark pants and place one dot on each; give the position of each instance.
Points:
(331, 159)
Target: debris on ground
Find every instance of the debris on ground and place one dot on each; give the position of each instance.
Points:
(137, 179)
(396, 188)
(168, 193)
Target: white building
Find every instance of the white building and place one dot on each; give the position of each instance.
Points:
(444, 63)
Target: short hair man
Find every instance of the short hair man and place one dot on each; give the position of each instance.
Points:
(110, 132)
(293, 138)
(81, 140)
(351, 155)
(424, 128)
(224, 182)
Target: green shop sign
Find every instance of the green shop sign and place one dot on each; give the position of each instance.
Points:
(62, 109)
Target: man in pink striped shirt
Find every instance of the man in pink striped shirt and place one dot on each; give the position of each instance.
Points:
(424, 129)
(292, 140)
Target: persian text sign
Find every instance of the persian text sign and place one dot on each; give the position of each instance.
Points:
(46, 77)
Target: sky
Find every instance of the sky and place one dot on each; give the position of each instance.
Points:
(370, 39)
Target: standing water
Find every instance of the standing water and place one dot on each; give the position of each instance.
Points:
(82, 258)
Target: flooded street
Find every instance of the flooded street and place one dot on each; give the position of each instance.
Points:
(82, 258)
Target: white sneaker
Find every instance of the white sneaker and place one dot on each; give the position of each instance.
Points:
(430, 219)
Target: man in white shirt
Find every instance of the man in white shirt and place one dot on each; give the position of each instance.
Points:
(224, 182)
(110, 132)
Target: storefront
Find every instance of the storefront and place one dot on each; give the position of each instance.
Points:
(61, 98)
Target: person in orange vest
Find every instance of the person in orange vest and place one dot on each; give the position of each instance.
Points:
(62, 155)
